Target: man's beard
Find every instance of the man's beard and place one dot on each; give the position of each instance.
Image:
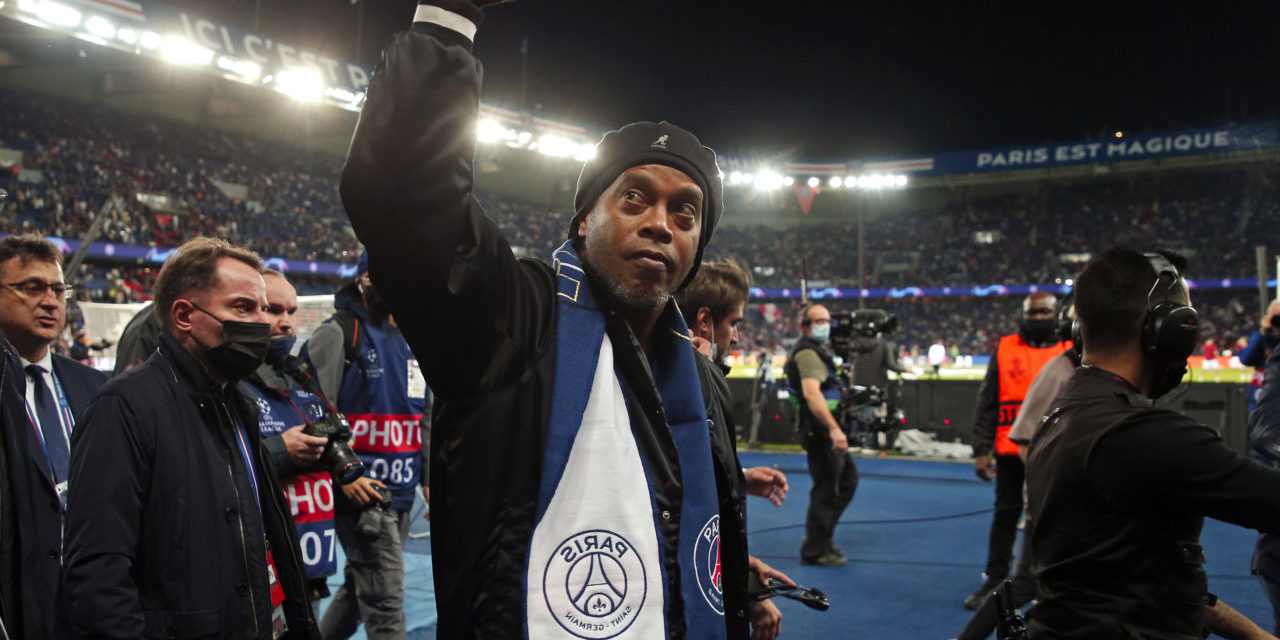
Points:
(627, 297)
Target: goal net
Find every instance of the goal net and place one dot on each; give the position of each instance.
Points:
(108, 320)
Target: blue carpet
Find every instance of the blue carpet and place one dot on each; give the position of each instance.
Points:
(915, 537)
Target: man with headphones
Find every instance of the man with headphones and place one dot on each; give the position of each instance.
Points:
(1119, 489)
(815, 389)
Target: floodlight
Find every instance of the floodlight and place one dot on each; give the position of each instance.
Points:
(247, 70)
(488, 130)
(300, 83)
(748, 178)
(735, 177)
(523, 138)
(557, 146)
(180, 50)
(343, 95)
(585, 153)
(28, 6)
(99, 26)
(149, 40)
(768, 179)
(58, 14)
(835, 182)
(127, 36)
(788, 181)
(814, 182)
(900, 181)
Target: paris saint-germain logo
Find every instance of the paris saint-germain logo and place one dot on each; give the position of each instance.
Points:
(594, 584)
(706, 561)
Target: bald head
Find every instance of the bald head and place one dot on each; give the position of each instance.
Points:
(1040, 304)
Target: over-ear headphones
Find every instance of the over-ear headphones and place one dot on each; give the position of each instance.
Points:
(1169, 330)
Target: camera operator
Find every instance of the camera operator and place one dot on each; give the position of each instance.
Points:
(1015, 363)
(287, 405)
(1119, 489)
(816, 389)
(362, 359)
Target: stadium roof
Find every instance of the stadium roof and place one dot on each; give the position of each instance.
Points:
(814, 79)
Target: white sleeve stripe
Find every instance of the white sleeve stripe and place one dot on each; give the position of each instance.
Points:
(446, 19)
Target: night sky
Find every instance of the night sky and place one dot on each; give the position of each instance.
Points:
(839, 80)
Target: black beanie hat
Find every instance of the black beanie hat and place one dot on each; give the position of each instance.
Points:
(652, 143)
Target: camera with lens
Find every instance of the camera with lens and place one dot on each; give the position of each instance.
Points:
(864, 411)
(337, 457)
(369, 524)
(856, 331)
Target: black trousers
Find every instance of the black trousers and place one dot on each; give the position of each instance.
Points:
(835, 478)
(1010, 474)
(987, 617)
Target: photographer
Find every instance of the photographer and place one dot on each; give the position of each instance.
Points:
(816, 389)
(285, 409)
(362, 359)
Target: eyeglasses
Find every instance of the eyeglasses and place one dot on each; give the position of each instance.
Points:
(37, 288)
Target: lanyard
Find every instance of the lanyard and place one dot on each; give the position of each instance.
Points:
(242, 443)
(66, 419)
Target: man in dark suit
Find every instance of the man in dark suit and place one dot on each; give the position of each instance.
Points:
(33, 306)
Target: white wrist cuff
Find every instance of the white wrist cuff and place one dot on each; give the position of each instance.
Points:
(446, 19)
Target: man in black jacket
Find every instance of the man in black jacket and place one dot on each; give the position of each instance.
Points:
(712, 305)
(1264, 436)
(1119, 489)
(576, 383)
(176, 523)
(33, 304)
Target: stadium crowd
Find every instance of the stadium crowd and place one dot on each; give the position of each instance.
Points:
(282, 201)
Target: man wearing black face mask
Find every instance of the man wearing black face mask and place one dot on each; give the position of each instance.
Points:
(286, 406)
(1119, 489)
(1012, 368)
(175, 522)
(366, 369)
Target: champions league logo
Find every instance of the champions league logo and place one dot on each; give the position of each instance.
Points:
(706, 564)
(594, 584)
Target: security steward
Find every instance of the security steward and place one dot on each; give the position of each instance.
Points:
(1014, 365)
(1119, 489)
(176, 525)
(816, 389)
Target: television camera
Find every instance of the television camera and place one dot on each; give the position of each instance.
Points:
(864, 411)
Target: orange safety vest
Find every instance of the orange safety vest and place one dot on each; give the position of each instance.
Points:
(1018, 364)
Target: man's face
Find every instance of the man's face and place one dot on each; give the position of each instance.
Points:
(31, 322)
(240, 295)
(642, 235)
(725, 333)
(282, 306)
(818, 315)
(1272, 311)
(1039, 305)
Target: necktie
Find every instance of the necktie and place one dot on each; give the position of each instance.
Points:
(55, 442)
